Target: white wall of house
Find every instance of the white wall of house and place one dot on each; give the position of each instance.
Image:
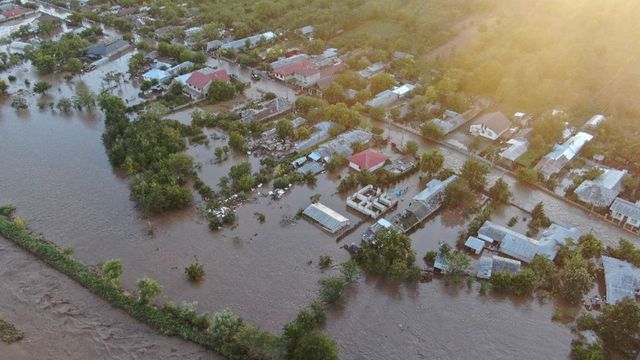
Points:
(480, 130)
(306, 81)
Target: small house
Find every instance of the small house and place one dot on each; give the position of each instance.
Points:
(329, 219)
(626, 214)
(490, 126)
(197, 86)
(369, 159)
(603, 190)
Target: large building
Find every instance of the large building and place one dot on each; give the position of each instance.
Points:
(423, 204)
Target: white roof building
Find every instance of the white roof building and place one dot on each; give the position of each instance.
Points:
(491, 264)
(516, 149)
(595, 121)
(556, 160)
(621, 278)
(603, 190)
(329, 219)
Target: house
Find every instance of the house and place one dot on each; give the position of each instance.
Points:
(603, 190)
(214, 45)
(621, 278)
(423, 204)
(517, 147)
(268, 109)
(197, 86)
(556, 160)
(108, 48)
(376, 228)
(306, 31)
(320, 135)
(372, 70)
(371, 201)
(490, 126)
(156, 74)
(9, 11)
(312, 167)
(329, 219)
(401, 165)
(626, 214)
(252, 41)
(450, 121)
(524, 248)
(493, 264)
(342, 144)
(390, 96)
(595, 121)
(369, 159)
(303, 72)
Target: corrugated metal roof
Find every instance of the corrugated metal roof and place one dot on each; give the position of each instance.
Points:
(326, 217)
(475, 244)
(622, 279)
(626, 208)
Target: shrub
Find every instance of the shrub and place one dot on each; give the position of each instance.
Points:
(224, 324)
(325, 261)
(148, 289)
(112, 270)
(331, 289)
(195, 271)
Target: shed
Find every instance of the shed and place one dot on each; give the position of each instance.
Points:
(329, 219)
(312, 166)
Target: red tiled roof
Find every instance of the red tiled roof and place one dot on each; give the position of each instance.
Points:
(303, 67)
(14, 12)
(367, 159)
(200, 80)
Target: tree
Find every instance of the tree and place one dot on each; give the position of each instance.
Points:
(501, 281)
(575, 279)
(315, 47)
(148, 289)
(285, 129)
(41, 87)
(545, 271)
(390, 254)
(112, 270)
(500, 191)
(350, 271)
(84, 97)
(411, 148)
(475, 172)
(237, 141)
(224, 324)
(73, 65)
(331, 289)
(19, 103)
(195, 271)
(381, 82)
(582, 351)
(458, 264)
(590, 246)
(457, 194)
(431, 131)
(524, 282)
(136, 63)
(620, 327)
(377, 113)
(334, 93)
(4, 87)
(539, 217)
(316, 345)
(431, 162)
(221, 90)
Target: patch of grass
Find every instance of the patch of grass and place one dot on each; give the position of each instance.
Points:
(8, 333)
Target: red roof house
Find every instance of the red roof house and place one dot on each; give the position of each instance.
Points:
(369, 160)
(197, 86)
(16, 11)
(305, 72)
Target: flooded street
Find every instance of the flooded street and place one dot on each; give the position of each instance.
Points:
(54, 169)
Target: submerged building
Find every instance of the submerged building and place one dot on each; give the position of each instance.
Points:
(423, 204)
(329, 219)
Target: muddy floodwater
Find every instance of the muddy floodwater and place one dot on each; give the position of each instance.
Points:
(54, 169)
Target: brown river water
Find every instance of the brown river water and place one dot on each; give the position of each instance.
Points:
(54, 169)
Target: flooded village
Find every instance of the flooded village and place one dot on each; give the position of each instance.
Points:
(369, 177)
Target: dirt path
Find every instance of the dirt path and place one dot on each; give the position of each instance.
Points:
(62, 320)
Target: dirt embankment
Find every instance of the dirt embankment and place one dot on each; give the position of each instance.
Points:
(62, 320)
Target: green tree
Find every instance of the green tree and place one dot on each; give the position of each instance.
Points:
(331, 289)
(590, 246)
(411, 148)
(221, 91)
(431, 131)
(377, 113)
(381, 82)
(315, 47)
(575, 279)
(334, 93)
(390, 254)
(73, 65)
(112, 270)
(431, 162)
(620, 327)
(524, 282)
(224, 325)
(237, 141)
(136, 63)
(350, 271)
(41, 87)
(316, 345)
(148, 289)
(4, 88)
(500, 191)
(458, 264)
(501, 281)
(284, 129)
(582, 351)
(475, 172)
(457, 194)
(539, 217)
